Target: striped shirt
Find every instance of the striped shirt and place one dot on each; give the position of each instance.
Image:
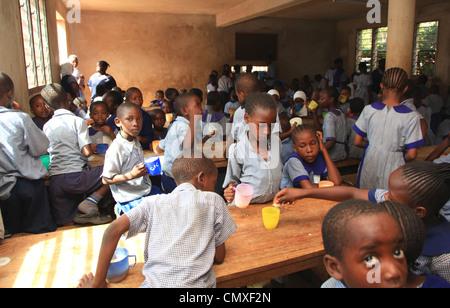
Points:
(183, 230)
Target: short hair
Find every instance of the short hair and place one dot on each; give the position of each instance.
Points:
(117, 98)
(154, 112)
(247, 83)
(97, 103)
(356, 105)
(335, 233)
(6, 84)
(261, 101)
(411, 226)
(124, 107)
(131, 90)
(212, 98)
(332, 92)
(103, 64)
(189, 164)
(170, 91)
(301, 128)
(160, 92)
(181, 102)
(395, 79)
(33, 99)
(428, 185)
(197, 92)
(346, 88)
(54, 95)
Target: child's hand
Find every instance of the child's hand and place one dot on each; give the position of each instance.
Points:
(229, 193)
(138, 171)
(106, 129)
(320, 137)
(287, 195)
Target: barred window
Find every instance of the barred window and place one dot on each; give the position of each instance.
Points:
(371, 46)
(425, 48)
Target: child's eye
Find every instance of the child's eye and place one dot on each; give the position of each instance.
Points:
(399, 254)
(371, 261)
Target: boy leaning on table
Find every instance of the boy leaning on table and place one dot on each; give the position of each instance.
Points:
(186, 230)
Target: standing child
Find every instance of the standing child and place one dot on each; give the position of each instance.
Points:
(124, 170)
(310, 163)
(344, 97)
(40, 110)
(186, 231)
(100, 132)
(71, 177)
(391, 129)
(356, 106)
(334, 124)
(146, 136)
(24, 201)
(159, 121)
(363, 84)
(256, 159)
(181, 136)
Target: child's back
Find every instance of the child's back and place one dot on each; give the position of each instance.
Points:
(335, 128)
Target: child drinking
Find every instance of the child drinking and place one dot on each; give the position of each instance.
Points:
(124, 170)
(192, 213)
(344, 97)
(40, 111)
(299, 108)
(391, 128)
(364, 247)
(159, 121)
(255, 159)
(310, 163)
(146, 136)
(181, 136)
(99, 132)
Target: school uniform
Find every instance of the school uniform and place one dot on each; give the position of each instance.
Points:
(214, 122)
(353, 150)
(98, 137)
(239, 124)
(230, 104)
(246, 166)
(389, 133)
(287, 149)
(296, 170)
(121, 158)
(362, 83)
(97, 79)
(24, 200)
(71, 176)
(335, 128)
(183, 231)
(39, 123)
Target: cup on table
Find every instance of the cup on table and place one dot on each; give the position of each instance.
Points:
(155, 144)
(153, 165)
(243, 195)
(271, 217)
(325, 184)
(102, 148)
(119, 266)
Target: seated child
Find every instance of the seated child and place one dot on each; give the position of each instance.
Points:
(167, 107)
(310, 163)
(113, 99)
(298, 108)
(24, 201)
(40, 111)
(232, 104)
(199, 224)
(334, 125)
(100, 132)
(159, 98)
(287, 148)
(146, 136)
(256, 158)
(180, 137)
(71, 177)
(363, 246)
(159, 121)
(354, 111)
(124, 170)
(344, 97)
(214, 121)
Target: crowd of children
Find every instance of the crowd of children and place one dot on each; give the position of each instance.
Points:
(280, 158)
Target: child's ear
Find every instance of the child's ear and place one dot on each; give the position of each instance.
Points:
(201, 178)
(247, 118)
(421, 211)
(333, 267)
(117, 122)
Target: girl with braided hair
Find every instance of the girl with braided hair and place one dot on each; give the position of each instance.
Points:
(391, 129)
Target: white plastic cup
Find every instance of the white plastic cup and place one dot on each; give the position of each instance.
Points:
(243, 195)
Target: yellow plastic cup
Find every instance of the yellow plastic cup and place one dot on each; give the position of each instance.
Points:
(271, 217)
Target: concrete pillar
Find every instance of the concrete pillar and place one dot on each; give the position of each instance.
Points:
(401, 28)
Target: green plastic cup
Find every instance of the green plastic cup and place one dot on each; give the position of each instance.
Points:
(46, 161)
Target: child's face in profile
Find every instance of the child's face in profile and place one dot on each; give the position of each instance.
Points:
(306, 145)
(130, 123)
(159, 120)
(324, 100)
(39, 109)
(260, 123)
(194, 107)
(167, 107)
(373, 255)
(99, 114)
(136, 98)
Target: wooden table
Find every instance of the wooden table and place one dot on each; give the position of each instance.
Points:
(59, 259)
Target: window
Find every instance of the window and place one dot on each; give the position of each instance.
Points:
(371, 46)
(35, 42)
(425, 48)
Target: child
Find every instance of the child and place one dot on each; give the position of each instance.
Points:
(159, 98)
(413, 231)
(113, 99)
(214, 121)
(310, 163)
(171, 95)
(423, 187)
(363, 245)
(391, 129)
(334, 124)
(363, 84)
(256, 159)
(159, 121)
(299, 108)
(99, 132)
(167, 107)
(40, 110)
(344, 104)
(181, 136)
(124, 170)
(276, 96)
(70, 174)
(188, 230)
(24, 201)
(146, 136)
(356, 106)
(232, 104)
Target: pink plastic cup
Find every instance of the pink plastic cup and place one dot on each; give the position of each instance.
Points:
(243, 195)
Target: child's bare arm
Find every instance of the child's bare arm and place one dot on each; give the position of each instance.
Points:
(360, 142)
(220, 254)
(137, 172)
(337, 193)
(333, 172)
(411, 154)
(87, 150)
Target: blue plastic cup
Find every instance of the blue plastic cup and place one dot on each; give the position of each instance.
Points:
(119, 266)
(102, 148)
(153, 165)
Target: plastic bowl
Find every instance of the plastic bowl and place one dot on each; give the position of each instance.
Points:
(119, 266)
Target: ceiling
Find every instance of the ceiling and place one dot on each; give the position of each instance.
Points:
(243, 9)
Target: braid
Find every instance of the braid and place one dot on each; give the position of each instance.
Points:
(298, 129)
(395, 79)
(428, 184)
(412, 227)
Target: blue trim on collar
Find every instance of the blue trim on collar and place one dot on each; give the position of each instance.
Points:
(318, 166)
(400, 108)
